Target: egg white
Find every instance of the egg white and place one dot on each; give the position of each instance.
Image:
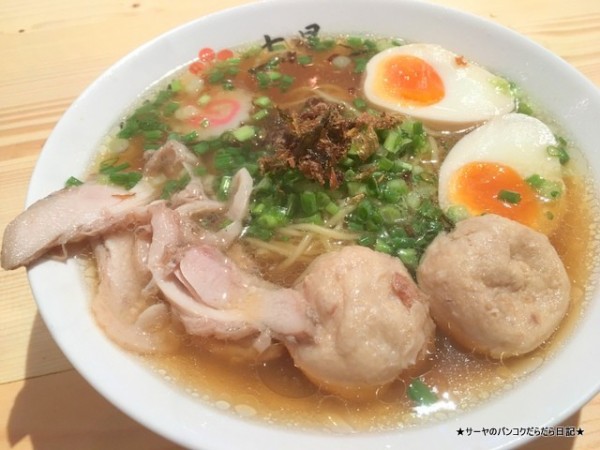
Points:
(472, 94)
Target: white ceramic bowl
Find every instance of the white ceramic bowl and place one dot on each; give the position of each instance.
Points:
(555, 391)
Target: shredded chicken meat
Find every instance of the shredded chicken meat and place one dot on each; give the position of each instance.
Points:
(162, 275)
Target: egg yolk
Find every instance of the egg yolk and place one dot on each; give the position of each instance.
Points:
(410, 80)
(484, 187)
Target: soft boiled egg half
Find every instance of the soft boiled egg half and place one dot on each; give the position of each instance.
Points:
(435, 86)
(506, 167)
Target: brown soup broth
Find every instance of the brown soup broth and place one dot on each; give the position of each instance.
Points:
(277, 392)
(230, 377)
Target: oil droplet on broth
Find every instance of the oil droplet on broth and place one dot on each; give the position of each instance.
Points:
(524, 366)
(338, 414)
(391, 393)
(245, 410)
(283, 378)
(222, 405)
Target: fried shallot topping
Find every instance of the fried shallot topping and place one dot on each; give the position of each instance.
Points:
(315, 139)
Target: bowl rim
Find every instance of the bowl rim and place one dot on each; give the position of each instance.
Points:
(50, 277)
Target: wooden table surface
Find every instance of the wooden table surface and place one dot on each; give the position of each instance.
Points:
(50, 50)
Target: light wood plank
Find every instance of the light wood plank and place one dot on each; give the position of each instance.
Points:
(25, 345)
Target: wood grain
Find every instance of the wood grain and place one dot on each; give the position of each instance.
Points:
(49, 52)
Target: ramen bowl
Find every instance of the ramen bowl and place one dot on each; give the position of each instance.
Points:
(552, 392)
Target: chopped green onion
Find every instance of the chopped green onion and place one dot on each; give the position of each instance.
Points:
(170, 108)
(259, 232)
(292, 205)
(73, 181)
(456, 213)
(403, 166)
(204, 100)
(286, 82)
(126, 179)
(360, 64)
(356, 188)
(409, 257)
(547, 189)
(265, 184)
(509, 196)
(216, 76)
(201, 148)
(244, 133)
(163, 96)
(304, 60)
(273, 75)
(263, 80)
(501, 85)
(272, 217)
(263, 102)
(559, 151)
(359, 104)
(413, 200)
(331, 208)
(420, 393)
(391, 141)
(385, 164)
(189, 137)
(524, 107)
(367, 240)
(308, 202)
(151, 146)
(224, 187)
(535, 181)
(394, 190)
(176, 85)
(116, 174)
(173, 186)
(364, 210)
(322, 199)
(318, 44)
(316, 218)
(355, 41)
(228, 160)
(153, 134)
(260, 114)
(383, 246)
(405, 139)
(390, 214)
